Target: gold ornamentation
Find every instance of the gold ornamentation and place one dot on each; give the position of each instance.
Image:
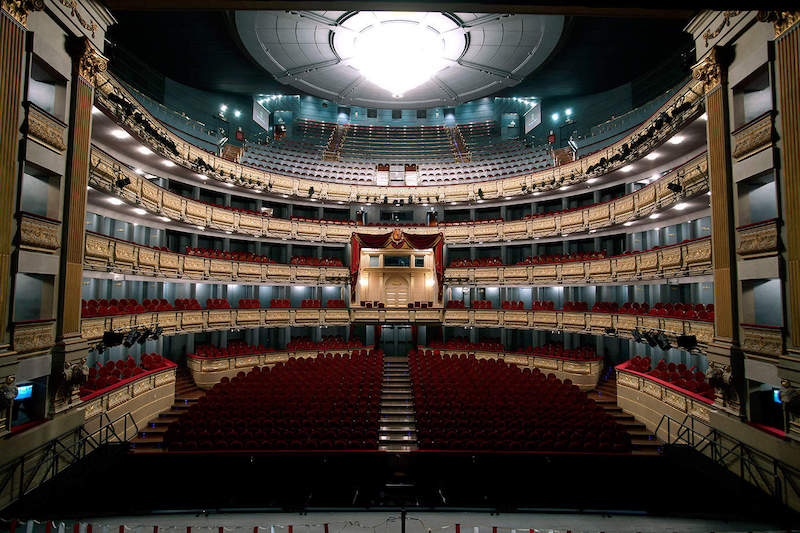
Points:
(39, 235)
(758, 241)
(628, 380)
(781, 20)
(93, 408)
(141, 386)
(90, 61)
(73, 6)
(118, 398)
(708, 70)
(752, 139)
(763, 341)
(165, 378)
(726, 21)
(33, 337)
(46, 130)
(19, 9)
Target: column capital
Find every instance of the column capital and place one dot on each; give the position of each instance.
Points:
(19, 9)
(781, 20)
(709, 70)
(90, 61)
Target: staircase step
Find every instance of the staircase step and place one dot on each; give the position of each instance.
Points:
(388, 418)
(402, 429)
(397, 438)
(150, 430)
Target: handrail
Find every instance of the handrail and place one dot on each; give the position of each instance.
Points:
(26, 473)
(754, 466)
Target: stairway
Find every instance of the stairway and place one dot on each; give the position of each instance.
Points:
(335, 142)
(397, 426)
(151, 437)
(231, 152)
(643, 442)
(460, 151)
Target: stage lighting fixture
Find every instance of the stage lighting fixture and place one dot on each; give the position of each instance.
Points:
(123, 182)
(663, 341)
(131, 338)
(524, 187)
(674, 187)
(394, 202)
(687, 342)
(385, 199)
(156, 333)
(410, 199)
(311, 191)
(650, 337)
(143, 336)
(637, 336)
(112, 338)
(480, 193)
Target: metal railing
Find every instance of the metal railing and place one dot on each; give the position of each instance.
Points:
(31, 470)
(769, 474)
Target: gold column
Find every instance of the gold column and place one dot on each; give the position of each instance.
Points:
(725, 359)
(787, 56)
(13, 18)
(71, 349)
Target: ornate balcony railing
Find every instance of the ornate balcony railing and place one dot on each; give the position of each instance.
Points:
(107, 254)
(45, 129)
(34, 335)
(111, 95)
(759, 239)
(692, 177)
(691, 258)
(753, 137)
(762, 341)
(38, 233)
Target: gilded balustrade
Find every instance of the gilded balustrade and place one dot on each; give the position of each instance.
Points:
(105, 170)
(759, 239)
(690, 96)
(38, 233)
(107, 254)
(691, 258)
(755, 136)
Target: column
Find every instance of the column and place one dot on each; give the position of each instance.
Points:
(70, 349)
(725, 359)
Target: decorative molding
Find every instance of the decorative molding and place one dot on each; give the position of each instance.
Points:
(781, 20)
(90, 61)
(726, 21)
(759, 240)
(764, 341)
(753, 138)
(73, 6)
(46, 130)
(39, 235)
(34, 337)
(708, 70)
(19, 9)
(627, 380)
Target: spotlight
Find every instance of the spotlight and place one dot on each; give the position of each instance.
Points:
(663, 341)
(480, 193)
(637, 336)
(143, 336)
(131, 338)
(385, 199)
(112, 338)
(674, 187)
(310, 191)
(650, 337)
(610, 331)
(687, 342)
(410, 199)
(123, 182)
(156, 333)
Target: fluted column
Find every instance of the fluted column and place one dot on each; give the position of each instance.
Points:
(726, 362)
(13, 18)
(71, 350)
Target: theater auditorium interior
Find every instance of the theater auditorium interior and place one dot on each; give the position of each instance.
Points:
(398, 267)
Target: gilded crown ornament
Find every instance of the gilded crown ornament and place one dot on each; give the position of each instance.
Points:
(90, 61)
(782, 20)
(708, 70)
(19, 9)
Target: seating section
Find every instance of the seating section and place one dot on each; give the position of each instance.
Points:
(310, 303)
(336, 303)
(557, 350)
(575, 306)
(669, 310)
(482, 262)
(113, 372)
(392, 143)
(281, 303)
(677, 374)
(122, 306)
(249, 303)
(316, 261)
(481, 304)
(419, 305)
(328, 342)
(562, 258)
(461, 343)
(455, 304)
(468, 404)
(234, 348)
(248, 257)
(187, 304)
(320, 403)
(505, 304)
(217, 303)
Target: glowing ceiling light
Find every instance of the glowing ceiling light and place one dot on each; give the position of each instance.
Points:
(95, 111)
(677, 139)
(681, 206)
(399, 55)
(628, 224)
(138, 171)
(591, 180)
(168, 163)
(115, 201)
(144, 150)
(120, 133)
(652, 156)
(165, 219)
(704, 116)
(654, 216)
(139, 211)
(627, 168)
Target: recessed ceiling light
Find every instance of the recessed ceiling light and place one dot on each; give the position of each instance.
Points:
(654, 216)
(592, 231)
(165, 219)
(564, 188)
(655, 176)
(453, 203)
(95, 110)
(139, 211)
(629, 223)
(423, 205)
(144, 150)
(591, 180)
(681, 206)
(652, 156)
(228, 184)
(508, 198)
(228, 232)
(340, 202)
(201, 228)
(284, 195)
(368, 203)
(627, 168)
(480, 201)
(257, 190)
(677, 139)
(704, 116)
(120, 133)
(167, 163)
(708, 193)
(115, 201)
(537, 193)
(313, 199)
(138, 171)
(202, 176)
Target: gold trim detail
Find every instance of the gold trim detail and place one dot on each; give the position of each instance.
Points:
(726, 21)
(90, 61)
(708, 70)
(73, 6)
(753, 138)
(46, 130)
(781, 20)
(19, 9)
(39, 235)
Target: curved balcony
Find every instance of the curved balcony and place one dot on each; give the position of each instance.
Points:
(692, 177)
(648, 399)
(111, 95)
(107, 254)
(686, 259)
(610, 324)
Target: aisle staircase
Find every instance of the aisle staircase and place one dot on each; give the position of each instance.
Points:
(151, 437)
(643, 442)
(461, 152)
(335, 143)
(397, 431)
(231, 152)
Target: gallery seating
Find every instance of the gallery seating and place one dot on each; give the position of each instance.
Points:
(679, 375)
(112, 373)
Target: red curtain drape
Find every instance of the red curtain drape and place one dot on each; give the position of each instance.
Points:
(377, 335)
(355, 260)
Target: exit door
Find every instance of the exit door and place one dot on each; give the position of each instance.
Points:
(396, 340)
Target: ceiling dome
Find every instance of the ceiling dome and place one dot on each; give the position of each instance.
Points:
(391, 59)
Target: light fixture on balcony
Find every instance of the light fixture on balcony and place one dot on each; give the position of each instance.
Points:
(677, 139)
(627, 168)
(652, 156)
(681, 206)
(115, 201)
(144, 150)
(168, 163)
(139, 211)
(120, 133)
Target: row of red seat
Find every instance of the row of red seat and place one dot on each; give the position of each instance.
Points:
(678, 374)
(247, 257)
(218, 303)
(281, 303)
(316, 261)
(481, 304)
(562, 258)
(467, 404)
(461, 343)
(112, 372)
(320, 403)
(328, 342)
(557, 350)
(480, 262)
(249, 303)
(575, 306)
(123, 306)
